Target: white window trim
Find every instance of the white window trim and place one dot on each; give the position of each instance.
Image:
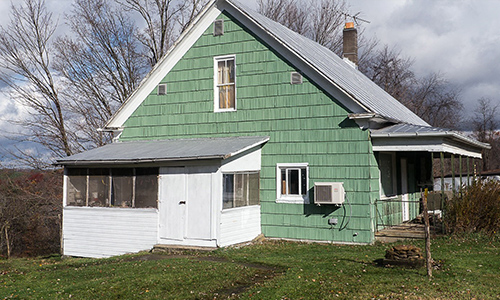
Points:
(394, 178)
(294, 199)
(216, 90)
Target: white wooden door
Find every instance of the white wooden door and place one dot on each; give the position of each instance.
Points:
(185, 204)
(199, 206)
(173, 192)
(404, 191)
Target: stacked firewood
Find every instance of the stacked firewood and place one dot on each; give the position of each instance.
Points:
(404, 253)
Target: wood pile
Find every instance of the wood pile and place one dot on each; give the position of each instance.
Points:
(407, 255)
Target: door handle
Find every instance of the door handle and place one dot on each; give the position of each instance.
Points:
(182, 202)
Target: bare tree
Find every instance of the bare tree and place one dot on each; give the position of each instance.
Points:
(286, 12)
(101, 63)
(436, 101)
(327, 24)
(486, 125)
(164, 19)
(392, 72)
(25, 58)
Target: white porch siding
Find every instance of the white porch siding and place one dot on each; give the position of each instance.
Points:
(238, 225)
(104, 232)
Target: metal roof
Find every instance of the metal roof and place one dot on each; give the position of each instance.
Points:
(165, 150)
(410, 130)
(349, 79)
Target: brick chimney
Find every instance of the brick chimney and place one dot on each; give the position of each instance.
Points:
(350, 40)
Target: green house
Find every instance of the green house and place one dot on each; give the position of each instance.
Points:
(247, 128)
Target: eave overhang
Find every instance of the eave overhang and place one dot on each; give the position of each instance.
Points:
(433, 140)
(162, 151)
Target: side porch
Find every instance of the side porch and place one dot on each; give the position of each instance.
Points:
(409, 158)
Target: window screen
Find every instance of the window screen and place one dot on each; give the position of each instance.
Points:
(387, 175)
(76, 194)
(98, 187)
(118, 187)
(240, 189)
(122, 187)
(146, 187)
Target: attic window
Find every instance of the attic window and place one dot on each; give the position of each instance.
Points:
(162, 89)
(218, 27)
(225, 83)
(295, 78)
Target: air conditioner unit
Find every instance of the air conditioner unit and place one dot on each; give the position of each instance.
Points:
(329, 193)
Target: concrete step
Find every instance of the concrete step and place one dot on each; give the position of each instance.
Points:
(176, 249)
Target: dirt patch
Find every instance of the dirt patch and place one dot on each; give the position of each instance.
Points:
(261, 274)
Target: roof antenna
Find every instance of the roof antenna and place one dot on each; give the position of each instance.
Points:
(354, 17)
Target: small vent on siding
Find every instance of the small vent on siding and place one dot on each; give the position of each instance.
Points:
(162, 89)
(218, 27)
(295, 78)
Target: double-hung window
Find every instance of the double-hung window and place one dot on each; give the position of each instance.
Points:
(225, 83)
(292, 183)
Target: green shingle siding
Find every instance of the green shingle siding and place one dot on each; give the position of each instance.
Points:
(304, 125)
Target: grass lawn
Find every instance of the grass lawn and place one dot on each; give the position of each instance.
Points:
(469, 268)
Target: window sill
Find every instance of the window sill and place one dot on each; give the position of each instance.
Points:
(240, 208)
(225, 110)
(293, 200)
(109, 208)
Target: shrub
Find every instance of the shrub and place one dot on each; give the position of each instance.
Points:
(30, 212)
(475, 209)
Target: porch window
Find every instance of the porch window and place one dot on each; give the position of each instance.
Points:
(146, 187)
(98, 186)
(240, 189)
(76, 194)
(387, 167)
(117, 187)
(123, 187)
(292, 182)
(225, 83)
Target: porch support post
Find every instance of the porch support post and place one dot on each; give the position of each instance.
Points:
(442, 189)
(453, 174)
(460, 169)
(468, 171)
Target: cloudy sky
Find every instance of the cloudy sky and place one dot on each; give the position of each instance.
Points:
(459, 38)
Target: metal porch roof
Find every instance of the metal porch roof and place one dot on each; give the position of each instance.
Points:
(407, 137)
(408, 131)
(165, 150)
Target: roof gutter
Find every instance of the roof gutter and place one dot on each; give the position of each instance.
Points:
(450, 134)
(133, 161)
